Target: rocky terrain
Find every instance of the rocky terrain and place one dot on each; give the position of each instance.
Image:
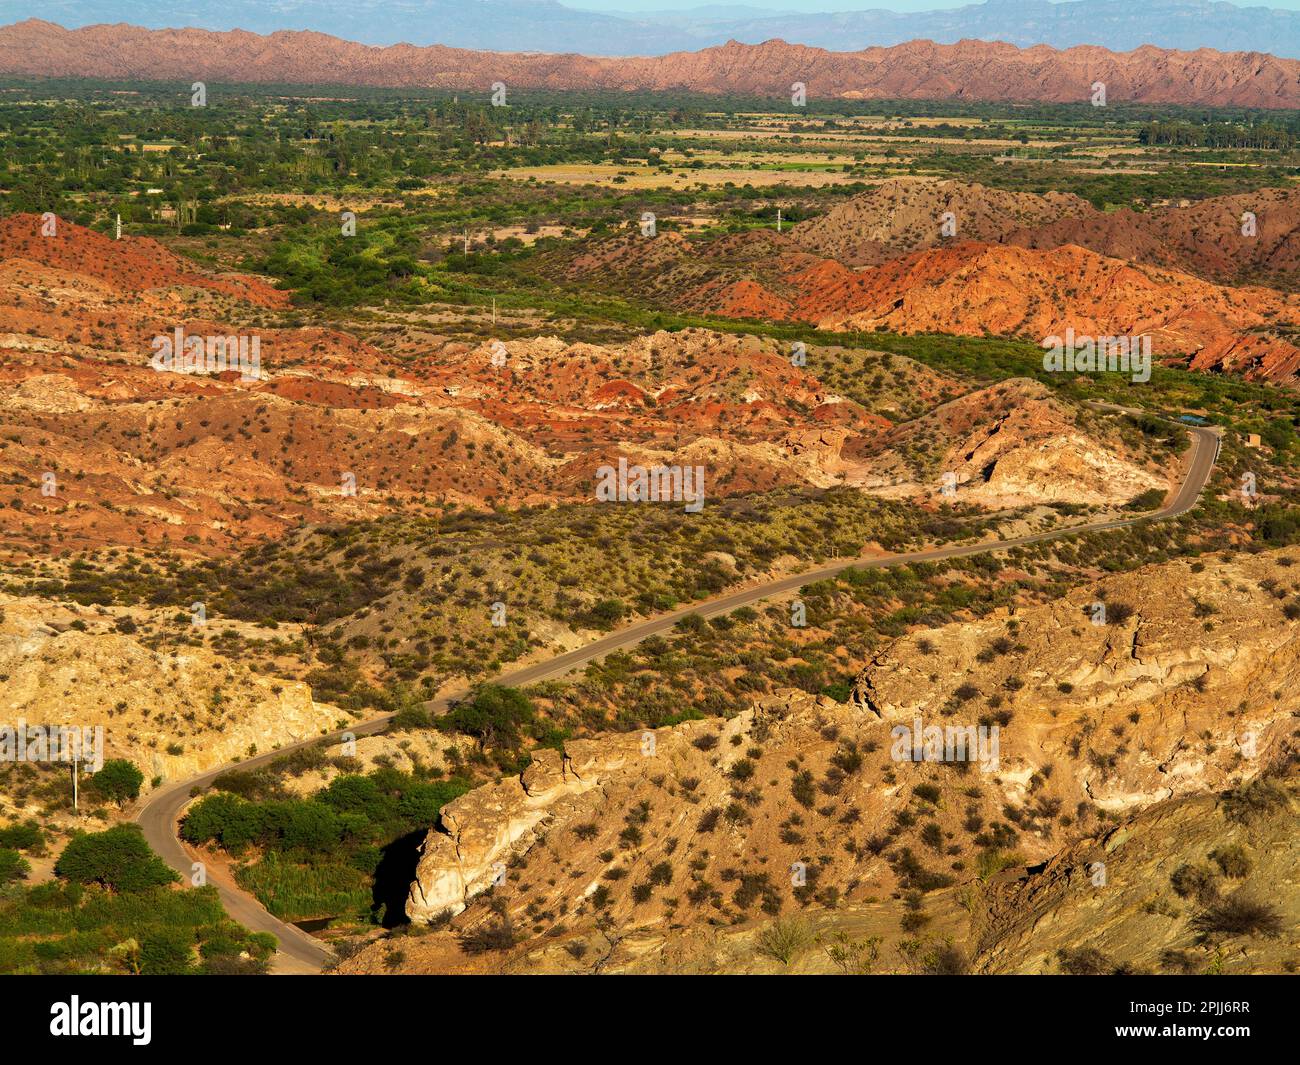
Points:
(173, 707)
(1033, 286)
(1007, 446)
(676, 850)
(1102, 907)
(99, 448)
(970, 69)
(897, 217)
(975, 289)
(138, 264)
(1204, 238)
(1123, 904)
(1075, 756)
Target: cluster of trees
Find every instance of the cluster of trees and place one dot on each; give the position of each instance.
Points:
(346, 851)
(113, 907)
(80, 153)
(71, 154)
(1218, 135)
(107, 858)
(494, 715)
(503, 720)
(1279, 525)
(347, 819)
(325, 267)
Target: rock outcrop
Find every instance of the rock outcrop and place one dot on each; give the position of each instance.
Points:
(173, 711)
(803, 801)
(482, 831)
(1011, 445)
(966, 286)
(1115, 904)
(1167, 681)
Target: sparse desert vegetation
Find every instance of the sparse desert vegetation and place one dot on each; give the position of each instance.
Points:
(1059, 738)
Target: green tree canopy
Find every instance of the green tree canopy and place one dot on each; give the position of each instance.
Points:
(13, 866)
(119, 858)
(493, 714)
(119, 780)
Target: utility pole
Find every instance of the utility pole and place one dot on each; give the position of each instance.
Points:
(118, 228)
(467, 241)
(778, 220)
(75, 775)
(494, 310)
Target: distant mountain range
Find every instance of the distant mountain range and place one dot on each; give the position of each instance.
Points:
(968, 70)
(546, 26)
(1120, 25)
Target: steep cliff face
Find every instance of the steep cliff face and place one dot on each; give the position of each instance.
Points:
(484, 830)
(1162, 682)
(1124, 902)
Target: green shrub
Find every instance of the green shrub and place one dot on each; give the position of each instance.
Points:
(1148, 500)
(225, 819)
(785, 939)
(494, 715)
(13, 866)
(412, 717)
(24, 837)
(166, 952)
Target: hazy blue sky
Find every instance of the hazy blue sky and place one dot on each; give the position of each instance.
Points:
(621, 6)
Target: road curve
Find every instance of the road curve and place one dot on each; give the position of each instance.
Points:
(159, 813)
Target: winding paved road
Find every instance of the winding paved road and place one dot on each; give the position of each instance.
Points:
(300, 953)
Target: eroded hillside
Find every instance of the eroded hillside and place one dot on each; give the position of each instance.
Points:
(101, 448)
(959, 258)
(173, 707)
(1105, 734)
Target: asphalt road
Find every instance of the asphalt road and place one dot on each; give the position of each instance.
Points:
(159, 813)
